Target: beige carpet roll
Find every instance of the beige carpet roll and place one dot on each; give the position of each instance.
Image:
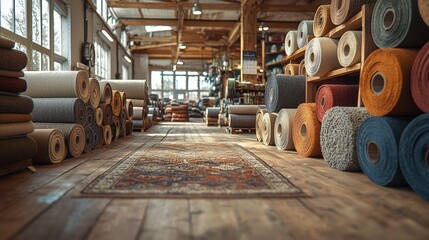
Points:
(268, 121)
(51, 146)
(283, 129)
(349, 48)
(305, 29)
(105, 92)
(424, 10)
(94, 92)
(107, 135)
(302, 70)
(15, 129)
(291, 42)
(57, 84)
(322, 22)
(116, 103)
(292, 69)
(123, 99)
(130, 110)
(259, 124)
(98, 116)
(133, 88)
(306, 131)
(343, 10)
(321, 56)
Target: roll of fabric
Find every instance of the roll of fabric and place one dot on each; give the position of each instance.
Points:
(12, 59)
(89, 139)
(16, 104)
(349, 48)
(414, 155)
(134, 88)
(420, 79)
(14, 85)
(105, 92)
(284, 92)
(138, 113)
(138, 102)
(130, 110)
(241, 121)
(377, 149)
(385, 82)
(101, 141)
(59, 110)
(322, 22)
(292, 69)
(243, 109)
(99, 116)
(116, 103)
(338, 136)
(341, 11)
(57, 84)
(424, 10)
(51, 147)
(302, 70)
(107, 135)
(259, 125)
(97, 136)
(330, 95)
(90, 116)
(74, 135)
(321, 56)
(116, 128)
(123, 99)
(15, 129)
(398, 24)
(14, 118)
(268, 121)
(17, 149)
(291, 42)
(129, 127)
(306, 131)
(212, 112)
(6, 43)
(305, 29)
(94, 93)
(283, 129)
(107, 113)
(7, 73)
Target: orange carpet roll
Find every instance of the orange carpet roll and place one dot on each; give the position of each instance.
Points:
(116, 103)
(306, 131)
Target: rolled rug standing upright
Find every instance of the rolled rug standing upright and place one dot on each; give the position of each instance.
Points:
(424, 10)
(291, 69)
(94, 93)
(420, 79)
(305, 29)
(59, 110)
(321, 56)
(99, 116)
(105, 92)
(51, 146)
(259, 125)
(284, 92)
(116, 103)
(385, 82)
(414, 155)
(283, 129)
(306, 131)
(377, 149)
(291, 44)
(322, 22)
(341, 10)
(330, 95)
(268, 121)
(349, 48)
(338, 136)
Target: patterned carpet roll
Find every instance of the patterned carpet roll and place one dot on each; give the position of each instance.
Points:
(424, 10)
(212, 112)
(243, 109)
(90, 116)
(338, 137)
(283, 129)
(259, 124)
(241, 121)
(377, 149)
(12, 59)
(107, 135)
(306, 131)
(341, 11)
(13, 85)
(89, 139)
(94, 93)
(7, 73)
(291, 69)
(321, 56)
(16, 104)
(99, 116)
(291, 44)
(51, 146)
(284, 92)
(105, 92)
(14, 117)
(330, 95)
(6, 43)
(57, 84)
(107, 113)
(97, 136)
(349, 48)
(133, 88)
(130, 110)
(414, 155)
(17, 149)
(15, 129)
(322, 22)
(268, 121)
(385, 82)
(305, 29)
(116, 103)
(59, 110)
(420, 79)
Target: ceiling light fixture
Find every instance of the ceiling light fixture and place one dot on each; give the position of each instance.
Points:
(182, 45)
(262, 27)
(107, 35)
(127, 59)
(179, 61)
(196, 9)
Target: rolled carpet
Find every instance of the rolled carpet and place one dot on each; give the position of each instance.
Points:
(17, 149)
(7, 73)
(138, 102)
(129, 127)
(89, 139)
(283, 129)
(212, 112)
(94, 93)
(338, 136)
(322, 22)
(259, 125)
(291, 69)
(16, 104)
(57, 84)
(12, 59)
(107, 113)
(243, 109)
(90, 116)
(74, 135)
(116, 103)
(321, 56)
(420, 79)
(385, 82)
(116, 129)
(268, 121)
(14, 117)
(11, 84)
(99, 116)
(330, 95)
(414, 155)
(101, 141)
(341, 11)
(284, 92)
(349, 48)
(59, 110)
(302, 70)
(105, 92)
(291, 44)
(398, 24)
(241, 121)
(424, 10)
(107, 135)
(377, 149)
(97, 136)
(138, 113)
(305, 29)
(306, 131)
(15, 129)
(51, 147)
(130, 110)
(123, 99)
(133, 88)
(6, 43)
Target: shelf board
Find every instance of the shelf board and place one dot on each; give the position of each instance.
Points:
(282, 51)
(297, 54)
(352, 24)
(336, 73)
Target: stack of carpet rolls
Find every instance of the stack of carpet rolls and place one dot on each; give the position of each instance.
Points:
(195, 112)
(16, 146)
(157, 105)
(105, 112)
(212, 116)
(179, 111)
(242, 116)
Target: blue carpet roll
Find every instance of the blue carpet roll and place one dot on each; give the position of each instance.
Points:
(284, 92)
(377, 149)
(414, 155)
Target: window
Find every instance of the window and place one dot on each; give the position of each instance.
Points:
(156, 80)
(102, 60)
(181, 82)
(193, 82)
(57, 33)
(13, 16)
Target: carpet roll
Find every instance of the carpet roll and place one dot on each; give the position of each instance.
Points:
(113, 131)
(12, 59)
(51, 146)
(6, 43)
(94, 93)
(129, 127)
(97, 136)
(241, 121)
(284, 92)
(116, 103)
(116, 129)
(283, 129)
(243, 109)
(414, 155)
(59, 110)
(424, 10)
(322, 22)
(138, 102)
(306, 131)
(338, 136)
(305, 29)
(268, 121)
(17, 149)
(101, 141)
(16, 104)
(123, 99)
(90, 116)
(321, 56)
(302, 70)
(259, 125)
(377, 149)
(107, 135)
(291, 69)
(398, 24)
(341, 11)
(138, 113)
(15, 129)
(7, 73)
(419, 81)
(330, 95)
(105, 92)
(385, 82)
(89, 139)
(99, 116)
(57, 84)
(15, 117)
(212, 112)
(349, 48)
(133, 88)
(11, 84)
(291, 44)
(107, 113)
(130, 110)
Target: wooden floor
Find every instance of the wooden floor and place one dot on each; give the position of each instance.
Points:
(338, 205)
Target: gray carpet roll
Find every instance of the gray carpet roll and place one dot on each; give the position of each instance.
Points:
(305, 29)
(283, 129)
(284, 92)
(94, 93)
(89, 139)
(321, 56)
(138, 102)
(291, 44)
(338, 136)
(268, 121)
(97, 136)
(212, 112)
(59, 110)
(12, 59)
(105, 92)
(15, 129)
(90, 116)
(259, 124)
(57, 84)
(138, 113)
(241, 121)
(138, 124)
(99, 116)
(243, 109)
(15, 104)
(51, 146)
(133, 88)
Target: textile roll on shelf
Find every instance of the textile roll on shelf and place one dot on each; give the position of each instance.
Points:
(349, 48)
(378, 148)
(341, 11)
(283, 129)
(322, 22)
(51, 146)
(291, 44)
(15, 129)
(414, 155)
(16, 104)
(57, 84)
(17, 149)
(424, 10)
(12, 84)
(338, 136)
(268, 121)
(419, 79)
(105, 92)
(330, 95)
(321, 56)
(107, 113)
(94, 92)
(305, 29)
(12, 59)
(259, 125)
(284, 92)
(291, 69)
(241, 121)
(398, 24)
(385, 82)
(59, 110)
(306, 131)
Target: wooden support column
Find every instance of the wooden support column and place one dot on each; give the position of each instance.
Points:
(248, 33)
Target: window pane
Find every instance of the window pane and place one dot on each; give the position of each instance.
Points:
(7, 14)
(36, 60)
(168, 82)
(36, 22)
(204, 85)
(180, 73)
(45, 62)
(168, 73)
(57, 66)
(181, 96)
(156, 80)
(20, 18)
(168, 95)
(181, 82)
(193, 82)
(192, 73)
(193, 96)
(57, 33)
(45, 23)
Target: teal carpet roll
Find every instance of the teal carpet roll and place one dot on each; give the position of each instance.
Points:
(17, 149)
(59, 110)
(15, 104)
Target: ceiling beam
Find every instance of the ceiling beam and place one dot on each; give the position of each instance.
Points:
(173, 22)
(234, 34)
(149, 46)
(152, 39)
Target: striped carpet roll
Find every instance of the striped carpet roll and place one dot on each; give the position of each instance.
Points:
(15, 129)
(259, 125)
(98, 116)
(330, 95)
(338, 136)
(105, 92)
(420, 79)
(15, 104)
(284, 92)
(283, 129)
(305, 29)
(107, 113)
(94, 93)
(306, 131)
(130, 110)
(243, 109)
(51, 146)
(90, 116)
(57, 84)
(349, 48)
(89, 139)
(12, 59)
(291, 44)
(13, 85)
(97, 136)
(321, 56)
(59, 110)
(424, 10)
(268, 121)
(116, 103)
(291, 69)
(322, 22)
(14, 117)
(107, 135)
(17, 149)
(341, 11)
(241, 121)
(212, 112)
(133, 88)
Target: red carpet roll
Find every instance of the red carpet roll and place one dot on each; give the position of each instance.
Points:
(330, 95)
(420, 79)
(306, 131)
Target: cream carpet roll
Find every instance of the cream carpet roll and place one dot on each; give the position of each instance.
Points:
(105, 92)
(291, 42)
(322, 22)
(116, 103)
(99, 116)
(343, 10)
(268, 121)
(424, 10)
(291, 69)
(259, 124)
(57, 84)
(283, 129)
(302, 70)
(59, 110)
(51, 146)
(321, 56)
(15, 129)
(94, 92)
(306, 131)
(349, 48)
(133, 88)
(107, 135)
(305, 29)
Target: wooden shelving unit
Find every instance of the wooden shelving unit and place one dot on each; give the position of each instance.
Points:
(298, 54)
